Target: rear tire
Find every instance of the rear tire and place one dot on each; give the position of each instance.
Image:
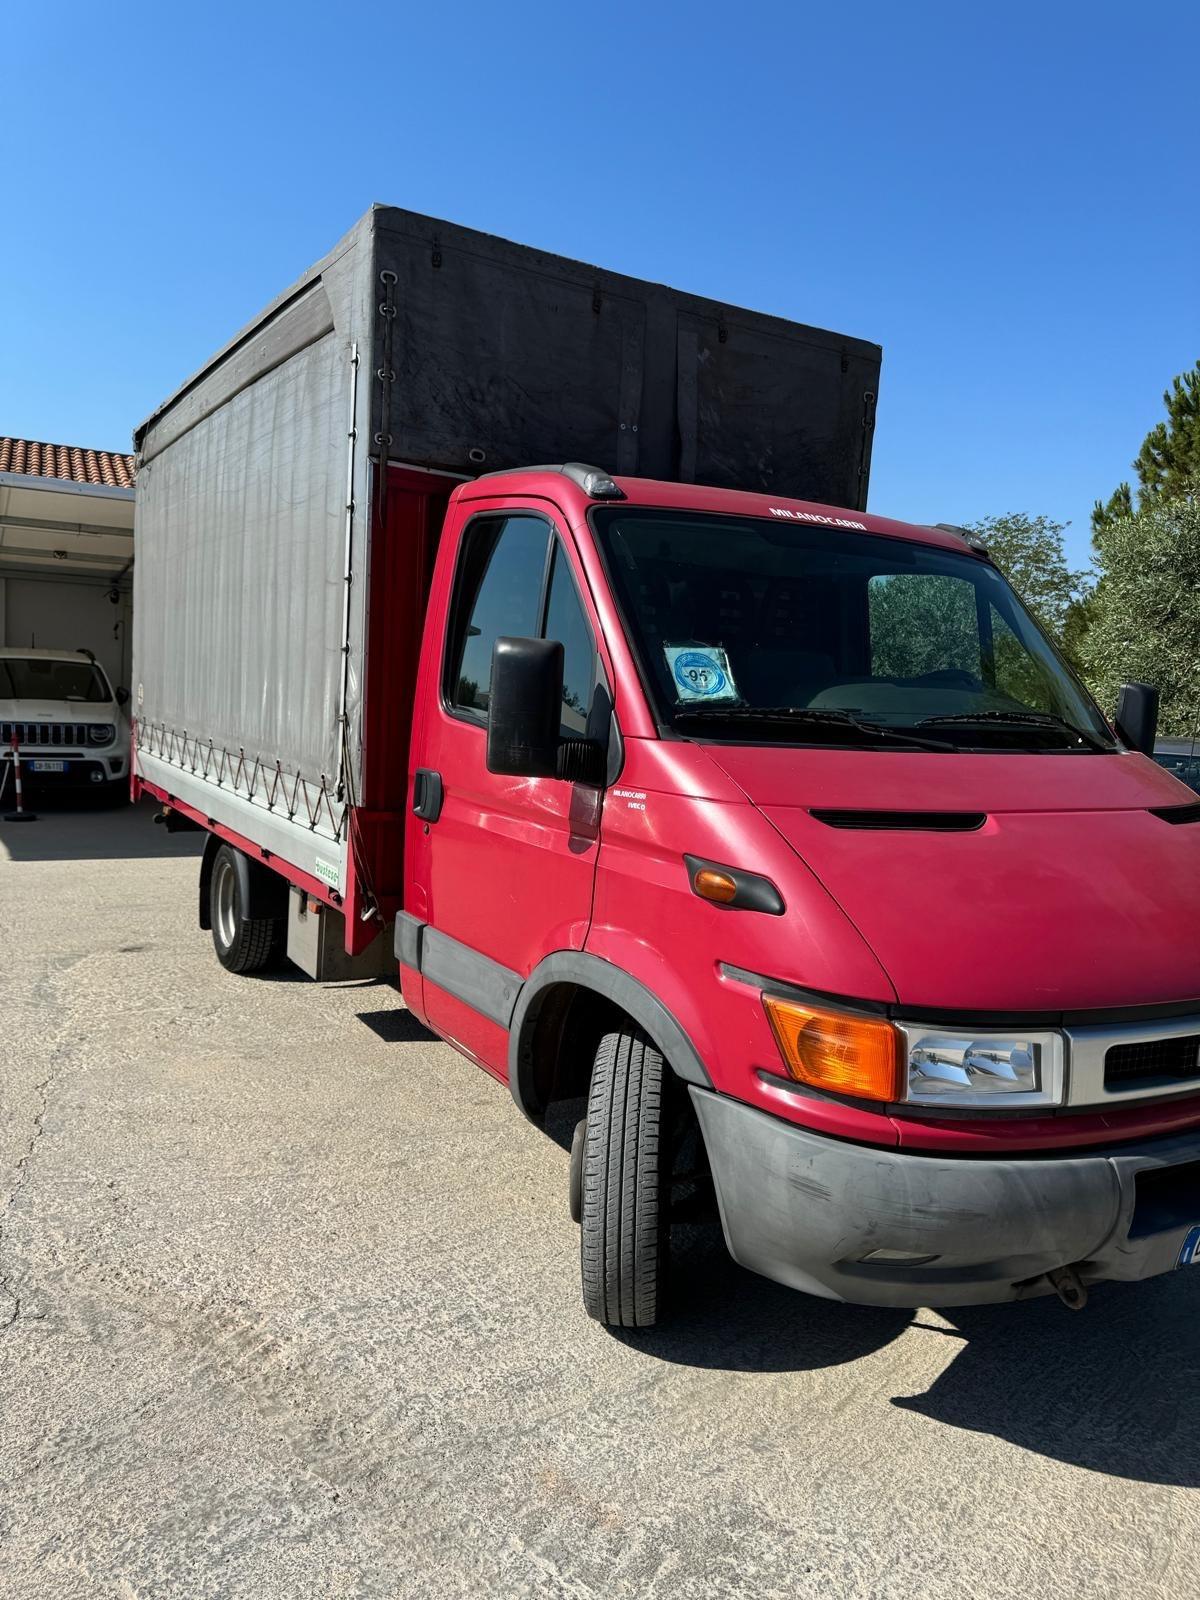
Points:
(243, 944)
(624, 1226)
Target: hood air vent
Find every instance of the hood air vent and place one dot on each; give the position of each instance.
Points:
(904, 821)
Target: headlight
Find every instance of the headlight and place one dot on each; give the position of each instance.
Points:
(101, 733)
(975, 1068)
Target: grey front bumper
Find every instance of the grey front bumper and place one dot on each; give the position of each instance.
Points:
(806, 1210)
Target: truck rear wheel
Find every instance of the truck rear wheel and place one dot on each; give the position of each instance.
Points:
(625, 1187)
(243, 944)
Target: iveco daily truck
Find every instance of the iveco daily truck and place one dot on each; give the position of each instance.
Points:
(670, 777)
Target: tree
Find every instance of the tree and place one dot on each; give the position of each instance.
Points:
(1146, 608)
(1029, 551)
(1169, 459)
(1119, 504)
(922, 623)
(1081, 613)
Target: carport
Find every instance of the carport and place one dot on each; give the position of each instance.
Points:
(66, 550)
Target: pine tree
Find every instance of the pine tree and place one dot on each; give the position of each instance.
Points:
(1105, 512)
(1169, 458)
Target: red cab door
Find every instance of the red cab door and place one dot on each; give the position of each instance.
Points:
(503, 874)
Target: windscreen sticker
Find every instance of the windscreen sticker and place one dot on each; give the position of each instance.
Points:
(700, 672)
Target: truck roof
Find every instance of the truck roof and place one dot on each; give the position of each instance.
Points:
(512, 355)
(566, 485)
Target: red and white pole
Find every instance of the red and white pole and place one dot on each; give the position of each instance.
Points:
(20, 814)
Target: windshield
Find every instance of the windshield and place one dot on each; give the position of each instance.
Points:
(750, 629)
(43, 678)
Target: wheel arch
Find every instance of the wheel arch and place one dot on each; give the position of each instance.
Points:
(263, 893)
(557, 991)
(211, 845)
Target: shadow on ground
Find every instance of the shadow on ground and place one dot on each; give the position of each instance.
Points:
(1114, 1388)
(726, 1318)
(79, 829)
(397, 1026)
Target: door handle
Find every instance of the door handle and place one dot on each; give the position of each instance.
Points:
(427, 794)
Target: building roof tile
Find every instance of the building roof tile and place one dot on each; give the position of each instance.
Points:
(32, 459)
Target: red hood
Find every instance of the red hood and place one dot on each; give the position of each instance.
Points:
(1071, 896)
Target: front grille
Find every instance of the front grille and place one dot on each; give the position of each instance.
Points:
(56, 735)
(1153, 1061)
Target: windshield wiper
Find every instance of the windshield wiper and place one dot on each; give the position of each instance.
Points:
(809, 716)
(1018, 719)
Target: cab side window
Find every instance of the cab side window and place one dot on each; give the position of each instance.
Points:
(514, 581)
(501, 569)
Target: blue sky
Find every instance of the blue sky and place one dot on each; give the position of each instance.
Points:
(1007, 197)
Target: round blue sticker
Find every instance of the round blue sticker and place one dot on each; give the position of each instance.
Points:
(700, 674)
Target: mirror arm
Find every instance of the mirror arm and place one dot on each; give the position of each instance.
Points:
(582, 761)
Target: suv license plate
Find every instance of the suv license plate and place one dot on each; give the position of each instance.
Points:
(48, 766)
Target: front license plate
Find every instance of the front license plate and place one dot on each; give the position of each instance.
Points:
(1189, 1254)
(48, 766)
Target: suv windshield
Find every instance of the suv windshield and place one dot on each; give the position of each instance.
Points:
(750, 629)
(43, 678)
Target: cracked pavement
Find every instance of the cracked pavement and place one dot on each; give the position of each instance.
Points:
(289, 1307)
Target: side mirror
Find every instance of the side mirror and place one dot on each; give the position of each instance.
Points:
(525, 707)
(1137, 716)
(122, 697)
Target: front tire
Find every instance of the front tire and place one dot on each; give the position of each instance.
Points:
(624, 1224)
(243, 944)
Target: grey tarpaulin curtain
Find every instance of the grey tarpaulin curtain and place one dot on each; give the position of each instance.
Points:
(238, 608)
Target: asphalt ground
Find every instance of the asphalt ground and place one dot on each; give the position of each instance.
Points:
(289, 1306)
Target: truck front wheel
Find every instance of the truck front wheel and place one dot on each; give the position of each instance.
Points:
(243, 944)
(625, 1184)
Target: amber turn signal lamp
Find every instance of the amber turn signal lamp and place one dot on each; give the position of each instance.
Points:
(712, 885)
(832, 1050)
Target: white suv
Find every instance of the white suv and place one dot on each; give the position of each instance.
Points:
(68, 722)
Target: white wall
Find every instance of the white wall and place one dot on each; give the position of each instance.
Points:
(59, 613)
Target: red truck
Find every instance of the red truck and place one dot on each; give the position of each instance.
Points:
(775, 829)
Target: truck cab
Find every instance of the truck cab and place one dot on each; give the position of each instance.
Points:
(772, 832)
(782, 834)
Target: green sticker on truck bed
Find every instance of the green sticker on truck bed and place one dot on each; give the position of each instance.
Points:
(700, 672)
(330, 874)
